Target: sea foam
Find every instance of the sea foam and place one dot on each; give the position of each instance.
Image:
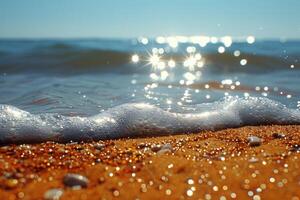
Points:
(140, 120)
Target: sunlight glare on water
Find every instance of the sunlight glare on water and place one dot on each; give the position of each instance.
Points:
(176, 73)
(172, 70)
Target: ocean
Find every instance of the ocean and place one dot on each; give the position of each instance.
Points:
(88, 89)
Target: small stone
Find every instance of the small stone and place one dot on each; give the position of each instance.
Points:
(295, 148)
(99, 146)
(156, 147)
(11, 183)
(254, 141)
(101, 180)
(278, 135)
(75, 180)
(141, 145)
(79, 148)
(253, 160)
(163, 151)
(166, 148)
(53, 194)
(7, 174)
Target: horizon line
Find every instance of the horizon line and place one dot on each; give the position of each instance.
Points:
(234, 38)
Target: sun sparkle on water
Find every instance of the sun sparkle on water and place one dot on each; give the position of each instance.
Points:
(188, 69)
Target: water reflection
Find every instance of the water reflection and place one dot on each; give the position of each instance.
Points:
(172, 69)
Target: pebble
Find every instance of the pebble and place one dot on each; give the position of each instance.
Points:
(163, 151)
(158, 147)
(254, 141)
(278, 135)
(53, 194)
(295, 148)
(75, 180)
(141, 145)
(253, 160)
(166, 148)
(11, 183)
(99, 146)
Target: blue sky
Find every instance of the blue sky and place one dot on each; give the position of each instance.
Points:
(132, 18)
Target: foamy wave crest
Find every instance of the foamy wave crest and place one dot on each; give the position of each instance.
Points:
(140, 120)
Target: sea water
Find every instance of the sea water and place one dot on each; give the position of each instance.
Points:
(63, 90)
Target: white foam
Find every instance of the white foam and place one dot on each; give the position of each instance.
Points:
(140, 120)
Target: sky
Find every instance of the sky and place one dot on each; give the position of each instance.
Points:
(133, 18)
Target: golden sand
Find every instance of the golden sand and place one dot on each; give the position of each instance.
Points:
(209, 165)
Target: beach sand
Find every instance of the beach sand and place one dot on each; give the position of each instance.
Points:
(209, 165)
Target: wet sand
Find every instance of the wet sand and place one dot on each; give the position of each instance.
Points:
(209, 165)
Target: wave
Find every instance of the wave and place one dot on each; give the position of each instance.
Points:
(70, 59)
(256, 63)
(65, 59)
(140, 120)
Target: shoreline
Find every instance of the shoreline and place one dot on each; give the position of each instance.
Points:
(209, 165)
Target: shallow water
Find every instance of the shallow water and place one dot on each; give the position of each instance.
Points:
(82, 78)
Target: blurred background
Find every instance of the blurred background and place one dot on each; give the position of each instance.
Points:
(82, 57)
(134, 18)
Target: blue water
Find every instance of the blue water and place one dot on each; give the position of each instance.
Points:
(82, 78)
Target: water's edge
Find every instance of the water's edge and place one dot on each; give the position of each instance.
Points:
(140, 120)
